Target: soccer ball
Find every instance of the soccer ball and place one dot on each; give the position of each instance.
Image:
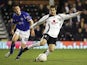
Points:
(42, 57)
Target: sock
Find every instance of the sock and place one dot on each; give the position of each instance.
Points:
(12, 47)
(34, 45)
(47, 52)
(20, 52)
(25, 49)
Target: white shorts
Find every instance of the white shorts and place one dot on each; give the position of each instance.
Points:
(24, 35)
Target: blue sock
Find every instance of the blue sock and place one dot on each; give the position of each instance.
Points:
(12, 47)
(25, 49)
(20, 52)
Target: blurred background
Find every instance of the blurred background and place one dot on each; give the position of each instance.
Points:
(74, 29)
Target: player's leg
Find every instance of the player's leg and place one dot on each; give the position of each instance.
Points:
(23, 48)
(15, 38)
(41, 43)
(24, 38)
(51, 43)
(50, 49)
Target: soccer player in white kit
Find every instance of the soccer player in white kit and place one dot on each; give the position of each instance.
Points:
(54, 23)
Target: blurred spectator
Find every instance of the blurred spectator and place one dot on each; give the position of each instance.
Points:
(75, 10)
(2, 3)
(60, 6)
(66, 7)
(85, 5)
(41, 10)
(9, 28)
(79, 6)
(38, 33)
(46, 8)
(84, 18)
(74, 7)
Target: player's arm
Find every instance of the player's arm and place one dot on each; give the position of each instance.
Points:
(68, 16)
(14, 22)
(29, 19)
(13, 28)
(32, 30)
(41, 21)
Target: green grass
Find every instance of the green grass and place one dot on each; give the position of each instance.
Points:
(58, 57)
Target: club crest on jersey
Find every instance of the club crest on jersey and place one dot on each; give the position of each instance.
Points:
(54, 22)
(21, 19)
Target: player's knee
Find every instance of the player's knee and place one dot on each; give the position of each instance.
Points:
(14, 39)
(42, 44)
(23, 46)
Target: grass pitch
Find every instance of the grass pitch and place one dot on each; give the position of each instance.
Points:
(58, 57)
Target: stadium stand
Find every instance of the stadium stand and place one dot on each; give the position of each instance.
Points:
(73, 29)
(3, 31)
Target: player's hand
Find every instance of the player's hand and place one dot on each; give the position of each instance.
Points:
(32, 32)
(12, 32)
(80, 12)
(32, 26)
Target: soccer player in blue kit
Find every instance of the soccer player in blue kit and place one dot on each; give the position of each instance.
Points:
(22, 22)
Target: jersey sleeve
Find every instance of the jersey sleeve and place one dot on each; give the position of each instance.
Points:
(68, 16)
(14, 20)
(27, 16)
(41, 21)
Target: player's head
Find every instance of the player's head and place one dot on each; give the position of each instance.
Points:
(17, 9)
(52, 10)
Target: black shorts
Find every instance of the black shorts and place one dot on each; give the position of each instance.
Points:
(50, 40)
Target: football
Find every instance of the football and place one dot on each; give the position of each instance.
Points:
(42, 57)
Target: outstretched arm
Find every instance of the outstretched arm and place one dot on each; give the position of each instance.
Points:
(41, 21)
(68, 16)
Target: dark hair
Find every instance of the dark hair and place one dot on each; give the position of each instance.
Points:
(14, 5)
(53, 6)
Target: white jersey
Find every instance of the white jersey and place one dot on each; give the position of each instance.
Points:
(54, 23)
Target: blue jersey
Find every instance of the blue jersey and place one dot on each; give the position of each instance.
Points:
(22, 21)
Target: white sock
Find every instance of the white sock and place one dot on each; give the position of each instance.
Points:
(47, 52)
(34, 45)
